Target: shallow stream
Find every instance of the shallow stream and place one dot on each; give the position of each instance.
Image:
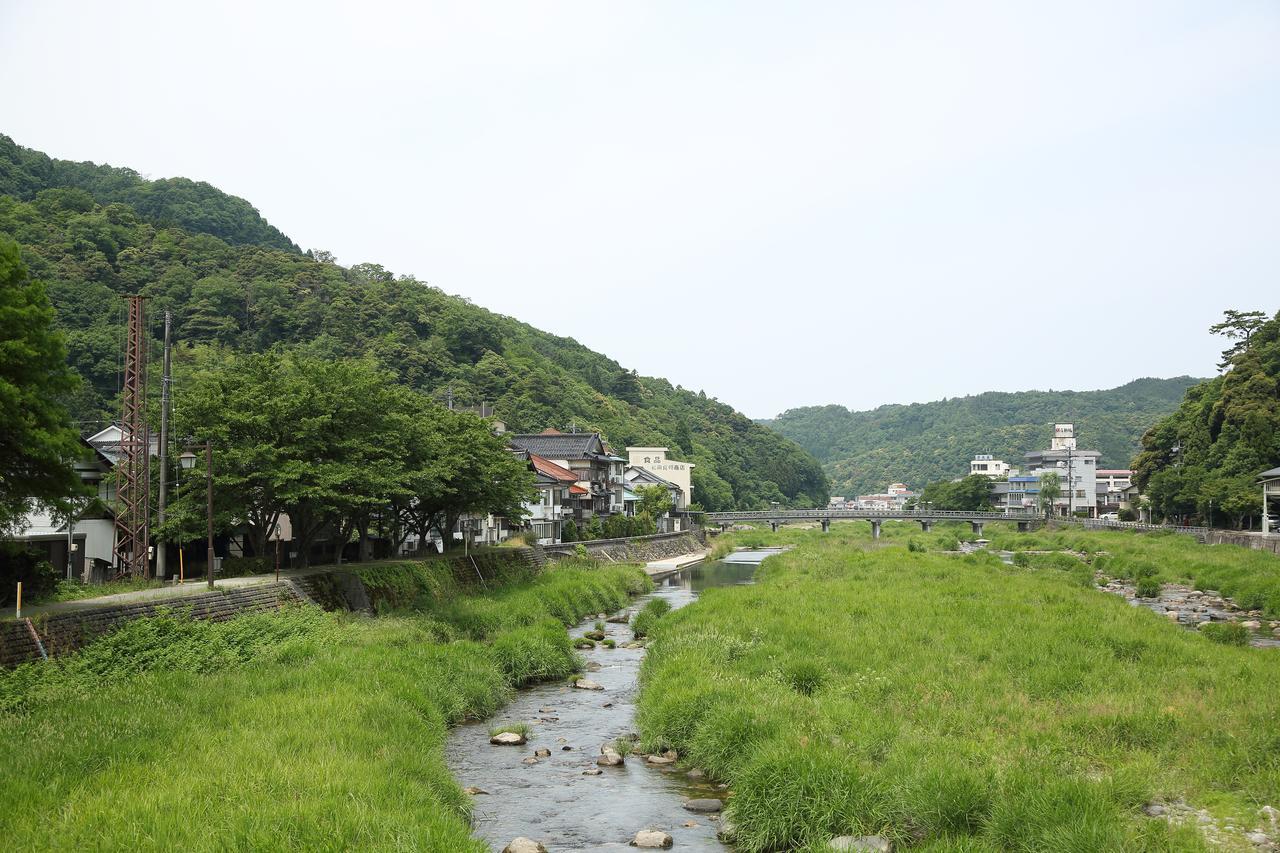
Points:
(552, 801)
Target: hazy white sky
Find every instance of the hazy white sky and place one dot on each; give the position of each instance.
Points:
(842, 202)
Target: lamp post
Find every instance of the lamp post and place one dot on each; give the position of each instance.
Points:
(188, 461)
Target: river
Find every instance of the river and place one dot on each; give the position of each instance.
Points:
(552, 801)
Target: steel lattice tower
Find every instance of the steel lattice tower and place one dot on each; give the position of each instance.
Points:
(133, 470)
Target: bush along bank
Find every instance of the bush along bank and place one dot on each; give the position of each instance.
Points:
(293, 730)
(949, 702)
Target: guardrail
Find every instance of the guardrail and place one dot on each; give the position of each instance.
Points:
(819, 514)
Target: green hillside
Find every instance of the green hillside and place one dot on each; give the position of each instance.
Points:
(917, 444)
(1204, 458)
(92, 233)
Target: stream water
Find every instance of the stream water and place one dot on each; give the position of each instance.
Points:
(552, 801)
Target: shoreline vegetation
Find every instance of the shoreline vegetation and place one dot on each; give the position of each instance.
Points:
(299, 729)
(954, 702)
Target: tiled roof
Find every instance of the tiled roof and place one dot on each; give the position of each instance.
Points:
(578, 490)
(551, 469)
(578, 445)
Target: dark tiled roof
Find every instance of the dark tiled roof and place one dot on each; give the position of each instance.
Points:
(578, 445)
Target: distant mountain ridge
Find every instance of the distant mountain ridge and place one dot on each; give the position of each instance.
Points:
(919, 443)
(90, 233)
(194, 206)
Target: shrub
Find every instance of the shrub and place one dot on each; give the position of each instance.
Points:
(1227, 633)
(238, 567)
(915, 546)
(655, 609)
(521, 729)
(38, 577)
(1148, 588)
(569, 531)
(1021, 559)
(805, 677)
(535, 653)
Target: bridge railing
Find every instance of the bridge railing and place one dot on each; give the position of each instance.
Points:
(819, 514)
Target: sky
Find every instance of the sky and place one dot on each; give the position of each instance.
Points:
(782, 204)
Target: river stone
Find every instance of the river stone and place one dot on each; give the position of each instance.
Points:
(1172, 614)
(524, 845)
(609, 757)
(620, 619)
(530, 760)
(695, 773)
(652, 839)
(566, 748)
(1153, 810)
(473, 791)
(1252, 624)
(704, 806)
(594, 635)
(508, 739)
(872, 843)
(542, 753)
(659, 759)
(592, 771)
(587, 684)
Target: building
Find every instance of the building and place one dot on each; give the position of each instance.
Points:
(1110, 488)
(892, 499)
(657, 460)
(1076, 470)
(599, 487)
(546, 517)
(988, 466)
(1018, 493)
(92, 538)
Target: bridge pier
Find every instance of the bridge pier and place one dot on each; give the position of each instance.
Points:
(826, 525)
(1024, 527)
(926, 525)
(875, 528)
(724, 526)
(977, 528)
(773, 525)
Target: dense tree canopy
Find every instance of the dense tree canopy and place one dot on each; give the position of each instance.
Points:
(37, 441)
(862, 452)
(332, 444)
(252, 294)
(968, 493)
(1227, 431)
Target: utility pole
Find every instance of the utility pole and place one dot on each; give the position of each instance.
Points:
(161, 567)
(1071, 506)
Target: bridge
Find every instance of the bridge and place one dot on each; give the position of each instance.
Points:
(925, 517)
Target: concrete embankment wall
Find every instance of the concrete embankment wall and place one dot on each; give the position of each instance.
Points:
(636, 549)
(1256, 541)
(22, 640)
(362, 587)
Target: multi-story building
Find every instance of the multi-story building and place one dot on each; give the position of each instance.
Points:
(546, 517)
(1110, 489)
(1076, 470)
(657, 460)
(600, 484)
(988, 466)
(894, 498)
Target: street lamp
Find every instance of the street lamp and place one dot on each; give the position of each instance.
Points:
(188, 461)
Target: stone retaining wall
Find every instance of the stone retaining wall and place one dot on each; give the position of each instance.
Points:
(635, 549)
(60, 633)
(1256, 541)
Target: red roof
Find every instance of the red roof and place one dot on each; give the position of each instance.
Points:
(1114, 471)
(551, 469)
(578, 490)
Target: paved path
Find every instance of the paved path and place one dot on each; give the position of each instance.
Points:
(160, 593)
(671, 565)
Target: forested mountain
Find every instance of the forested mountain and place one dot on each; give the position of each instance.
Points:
(93, 233)
(193, 205)
(1206, 456)
(863, 452)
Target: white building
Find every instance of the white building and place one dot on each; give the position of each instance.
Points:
(1076, 470)
(657, 460)
(988, 466)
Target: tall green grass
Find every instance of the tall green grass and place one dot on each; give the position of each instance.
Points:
(292, 730)
(955, 703)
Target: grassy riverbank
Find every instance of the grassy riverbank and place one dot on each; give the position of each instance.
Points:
(298, 730)
(956, 703)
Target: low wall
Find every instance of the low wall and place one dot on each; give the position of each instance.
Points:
(1256, 541)
(21, 640)
(634, 549)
